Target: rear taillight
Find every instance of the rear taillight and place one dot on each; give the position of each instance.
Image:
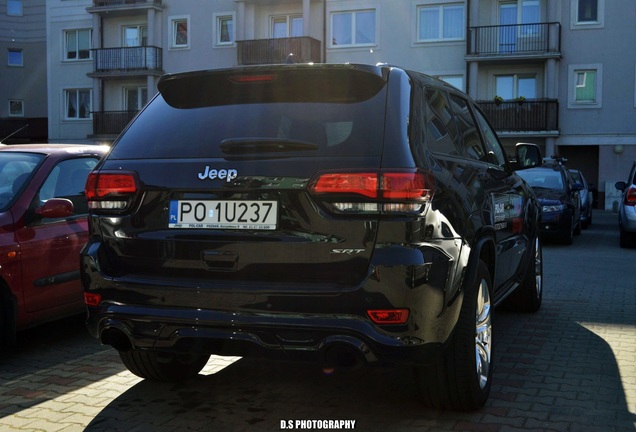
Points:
(630, 196)
(374, 192)
(111, 191)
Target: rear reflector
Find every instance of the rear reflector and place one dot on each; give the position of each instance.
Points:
(388, 316)
(92, 299)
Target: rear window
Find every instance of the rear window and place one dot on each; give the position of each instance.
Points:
(312, 113)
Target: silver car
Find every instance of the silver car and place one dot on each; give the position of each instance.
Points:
(627, 209)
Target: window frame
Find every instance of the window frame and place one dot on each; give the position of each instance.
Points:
(219, 18)
(516, 77)
(440, 8)
(174, 31)
(576, 24)
(289, 25)
(65, 44)
(19, 102)
(65, 101)
(354, 13)
(573, 84)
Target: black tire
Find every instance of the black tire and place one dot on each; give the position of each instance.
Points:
(568, 237)
(7, 321)
(626, 238)
(163, 367)
(461, 380)
(529, 295)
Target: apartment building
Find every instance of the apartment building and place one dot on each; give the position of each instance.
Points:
(538, 68)
(23, 91)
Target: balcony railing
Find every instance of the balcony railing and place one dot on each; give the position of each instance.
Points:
(274, 51)
(103, 3)
(111, 122)
(128, 59)
(532, 115)
(515, 40)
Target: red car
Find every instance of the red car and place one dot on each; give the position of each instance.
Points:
(43, 226)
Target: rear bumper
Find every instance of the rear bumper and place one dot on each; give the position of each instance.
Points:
(335, 341)
(281, 322)
(628, 218)
(555, 223)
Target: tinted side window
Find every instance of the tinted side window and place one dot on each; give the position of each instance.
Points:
(440, 131)
(67, 180)
(467, 129)
(496, 154)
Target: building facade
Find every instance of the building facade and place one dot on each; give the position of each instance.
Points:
(23, 89)
(538, 68)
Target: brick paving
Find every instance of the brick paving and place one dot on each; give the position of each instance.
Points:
(570, 367)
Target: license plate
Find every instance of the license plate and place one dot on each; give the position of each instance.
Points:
(213, 214)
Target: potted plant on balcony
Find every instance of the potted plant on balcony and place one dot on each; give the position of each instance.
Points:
(520, 100)
(498, 100)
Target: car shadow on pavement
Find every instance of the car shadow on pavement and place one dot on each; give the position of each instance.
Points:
(50, 361)
(551, 375)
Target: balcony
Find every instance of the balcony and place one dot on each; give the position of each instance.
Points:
(123, 7)
(128, 61)
(515, 41)
(111, 123)
(275, 51)
(540, 116)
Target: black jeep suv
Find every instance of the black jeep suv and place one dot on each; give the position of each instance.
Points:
(343, 214)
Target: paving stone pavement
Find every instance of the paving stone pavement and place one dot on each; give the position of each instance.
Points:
(569, 367)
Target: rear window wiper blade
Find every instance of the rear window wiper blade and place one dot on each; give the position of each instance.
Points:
(263, 145)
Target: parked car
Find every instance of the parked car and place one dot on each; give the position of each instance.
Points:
(587, 197)
(627, 209)
(559, 195)
(43, 226)
(342, 214)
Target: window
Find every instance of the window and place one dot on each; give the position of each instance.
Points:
(14, 7)
(135, 98)
(135, 36)
(225, 30)
(443, 22)
(587, 11)
(495, 153)
(15, 57)
(454, 80)
(67, 180)
(287, 26)
(78, 44)
(77, 104)
(510, 87)
(440, 131)
(473, 148)
(16, 108)
(353, 28)
(587, 14)
(585, 86)
(179, 29)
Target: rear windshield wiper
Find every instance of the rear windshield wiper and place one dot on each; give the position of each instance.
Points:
(263, 145)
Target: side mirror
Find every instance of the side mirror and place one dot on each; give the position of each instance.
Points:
(55, 208)
(621, 185)
(577, 186)
(527, 155)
